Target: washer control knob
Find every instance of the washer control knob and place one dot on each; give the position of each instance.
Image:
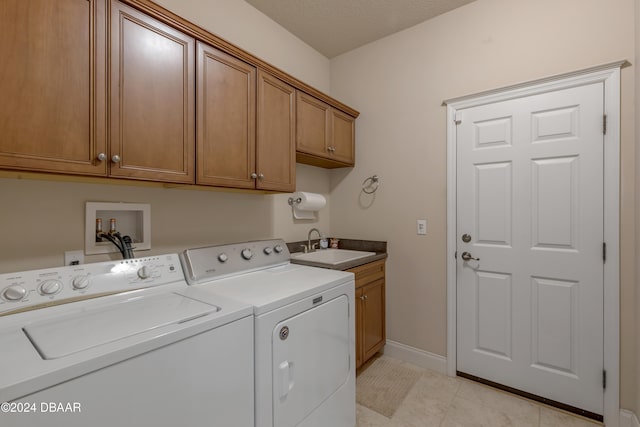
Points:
(80, 282)
(278, 249)
(246, 254)
(144, 272)
(268, 250)
(14, 293)
(223, 257)
(50, 287)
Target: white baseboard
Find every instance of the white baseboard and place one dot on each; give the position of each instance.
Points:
(421, 358)
(628, 419)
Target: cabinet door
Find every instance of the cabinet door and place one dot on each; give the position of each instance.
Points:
(276, 150)
(373, 318)
(152, 98)
(313, 129)
(343, 136)
(226, 105)
(52, 81)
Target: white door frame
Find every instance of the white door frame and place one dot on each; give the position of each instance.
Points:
(608, 74)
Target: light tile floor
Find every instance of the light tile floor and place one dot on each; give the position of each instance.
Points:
(437, 400)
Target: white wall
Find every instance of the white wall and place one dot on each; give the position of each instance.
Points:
(43, 219)
(245, 26)
(398, 84)
(636, 334)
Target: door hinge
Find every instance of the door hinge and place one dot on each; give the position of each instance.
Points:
(604, 252)
(455, 255)
(604, 379)
(457, 118)
(604, 124)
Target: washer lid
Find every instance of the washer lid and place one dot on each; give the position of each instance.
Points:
(68, 334)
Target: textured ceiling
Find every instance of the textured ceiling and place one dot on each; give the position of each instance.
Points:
(333, 27)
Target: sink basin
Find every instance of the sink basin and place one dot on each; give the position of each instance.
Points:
(330, 256)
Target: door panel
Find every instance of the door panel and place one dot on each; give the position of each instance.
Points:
(343, 137)
(152, 98)
(555, 198)
(311, 362)
(493, 306)
(275, 147)
(313, 125)
(494, 201)
(52, 81)
(373, 335)
(530, 193)
(226, 97)
(554, 322)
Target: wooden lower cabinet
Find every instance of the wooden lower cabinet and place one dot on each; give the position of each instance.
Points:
(370, 310)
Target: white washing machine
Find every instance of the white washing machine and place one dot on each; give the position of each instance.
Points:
(122, 343)
(304, 330)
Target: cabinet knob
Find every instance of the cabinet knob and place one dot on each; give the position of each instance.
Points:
(115, 158)
(363, 297)
(260, 176)
(331, 149)
(254, 175)
(101, 157)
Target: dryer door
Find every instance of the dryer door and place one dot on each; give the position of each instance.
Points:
(310, 360)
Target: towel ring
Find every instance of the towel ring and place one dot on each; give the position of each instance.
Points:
(370, 185)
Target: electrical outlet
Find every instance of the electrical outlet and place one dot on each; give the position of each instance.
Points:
(73, 257)
(421, 226)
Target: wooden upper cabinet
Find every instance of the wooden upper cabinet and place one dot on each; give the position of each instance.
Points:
(343, 137)
(152, 99)
(313, 129)
(276, 129)
(108, 88)
(324, 135)
(244, 139)
(52, 81)
(226, 105)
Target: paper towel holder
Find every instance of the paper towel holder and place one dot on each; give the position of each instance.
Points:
(305, 205)
(291, 200)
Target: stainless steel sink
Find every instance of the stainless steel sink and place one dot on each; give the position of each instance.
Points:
(331, 256)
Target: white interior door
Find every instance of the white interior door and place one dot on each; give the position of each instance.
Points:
(530, 199)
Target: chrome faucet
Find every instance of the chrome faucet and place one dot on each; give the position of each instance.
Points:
(309, 247)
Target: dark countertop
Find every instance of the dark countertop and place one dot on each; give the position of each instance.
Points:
(380, 248)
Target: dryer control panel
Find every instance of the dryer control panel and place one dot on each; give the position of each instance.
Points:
(216, 262)
(28, 290)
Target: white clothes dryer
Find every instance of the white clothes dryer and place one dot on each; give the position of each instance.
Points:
(304, 330)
